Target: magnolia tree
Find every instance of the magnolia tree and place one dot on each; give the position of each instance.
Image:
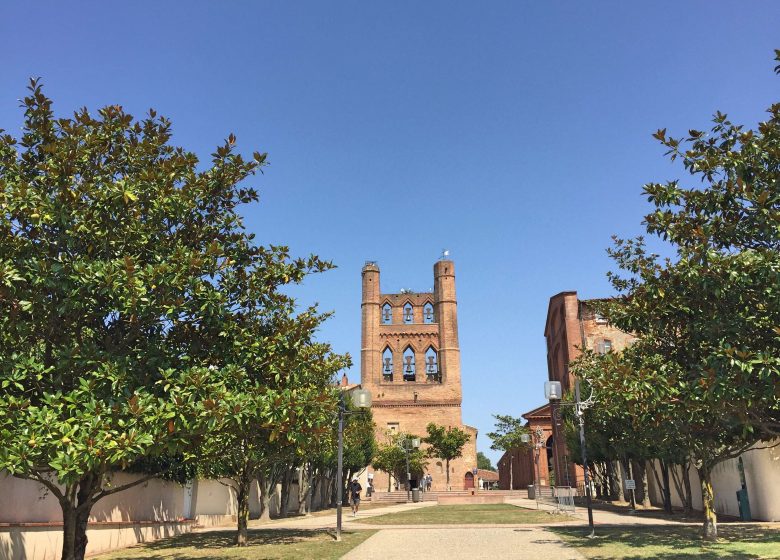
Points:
(708, 320)
(279, 403)
(113, 247)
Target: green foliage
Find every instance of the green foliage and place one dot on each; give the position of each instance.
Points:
(129, 296)
(446, 444)
(360, 445)
(508, 433)
(391, 457)
(483, 462)
(704, 372)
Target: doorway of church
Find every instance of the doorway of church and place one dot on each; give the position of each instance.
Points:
(468, 481)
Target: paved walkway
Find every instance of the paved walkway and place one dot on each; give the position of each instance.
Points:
(464, 541)
(463, 544)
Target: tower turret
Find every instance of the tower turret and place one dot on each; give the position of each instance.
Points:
(446, 310)
(369, 353)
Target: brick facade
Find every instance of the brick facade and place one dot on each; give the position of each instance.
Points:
(410, 393)
(573, 324)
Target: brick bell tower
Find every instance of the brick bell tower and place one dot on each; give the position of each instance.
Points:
(410, 361)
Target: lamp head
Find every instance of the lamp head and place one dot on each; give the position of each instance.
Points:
(552, 390)
(361, 398)
(525, 438)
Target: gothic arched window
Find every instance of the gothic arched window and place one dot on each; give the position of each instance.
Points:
(387, 364)
(408, 314)
(427, 313)
(432, 372)
(409, 366)
(387, 314)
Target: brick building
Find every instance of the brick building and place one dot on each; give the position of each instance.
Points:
(573, 324)
(518, 468)
(410, 361)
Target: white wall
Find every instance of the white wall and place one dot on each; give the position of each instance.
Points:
(762, 475)
(151, 510)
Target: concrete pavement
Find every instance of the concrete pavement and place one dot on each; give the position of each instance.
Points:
(463, 544)
(456, 542)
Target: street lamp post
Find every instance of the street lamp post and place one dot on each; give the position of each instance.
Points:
(538, 433)
(552, 390)
(408, 444)
(361, 399)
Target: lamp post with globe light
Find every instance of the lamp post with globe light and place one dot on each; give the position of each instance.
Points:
(552, 391)
(408, 444)
(361, 399)
(538, 434)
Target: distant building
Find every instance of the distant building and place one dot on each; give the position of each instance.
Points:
(573, 324)
(410, 361)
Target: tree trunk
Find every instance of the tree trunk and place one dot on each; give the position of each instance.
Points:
(598, 475)
(642, 468)
(265, 496)
(284, 497)
(626, 495)
(82, 518)
(68, 530)
(667, 489)
(447, 462)
(511, 474)
(242, 497)
(615, 481)
(75, 516)
(710, 528)
(688, 491)
(303, 490)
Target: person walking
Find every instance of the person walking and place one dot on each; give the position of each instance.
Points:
(354, 496)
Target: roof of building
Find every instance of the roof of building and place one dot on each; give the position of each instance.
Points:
(538, 412)
(485, 474)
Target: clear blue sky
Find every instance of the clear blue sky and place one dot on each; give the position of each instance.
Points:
(515, 134)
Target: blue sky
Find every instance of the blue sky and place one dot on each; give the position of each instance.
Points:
(514, 134)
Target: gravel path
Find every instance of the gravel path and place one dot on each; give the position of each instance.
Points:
(463, 543)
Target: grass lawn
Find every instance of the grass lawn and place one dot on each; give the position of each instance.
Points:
(456, 514)
(264, 544)
(665, 543)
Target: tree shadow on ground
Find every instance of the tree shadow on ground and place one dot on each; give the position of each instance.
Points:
(223, 544)
(669, 542)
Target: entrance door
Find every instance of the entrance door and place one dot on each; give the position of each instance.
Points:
(468, 481)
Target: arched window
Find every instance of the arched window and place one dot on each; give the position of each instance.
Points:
(387, 314)
(387, 364)
(409, 365)
(427, 313)
(408, 314)
(432, 372)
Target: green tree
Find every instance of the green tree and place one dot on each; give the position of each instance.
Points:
(446, 444)
(483, 462)
(280, 400)
(113, 243)
(391, 457)
(707, 359)
(360, 445)
(508, 436)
